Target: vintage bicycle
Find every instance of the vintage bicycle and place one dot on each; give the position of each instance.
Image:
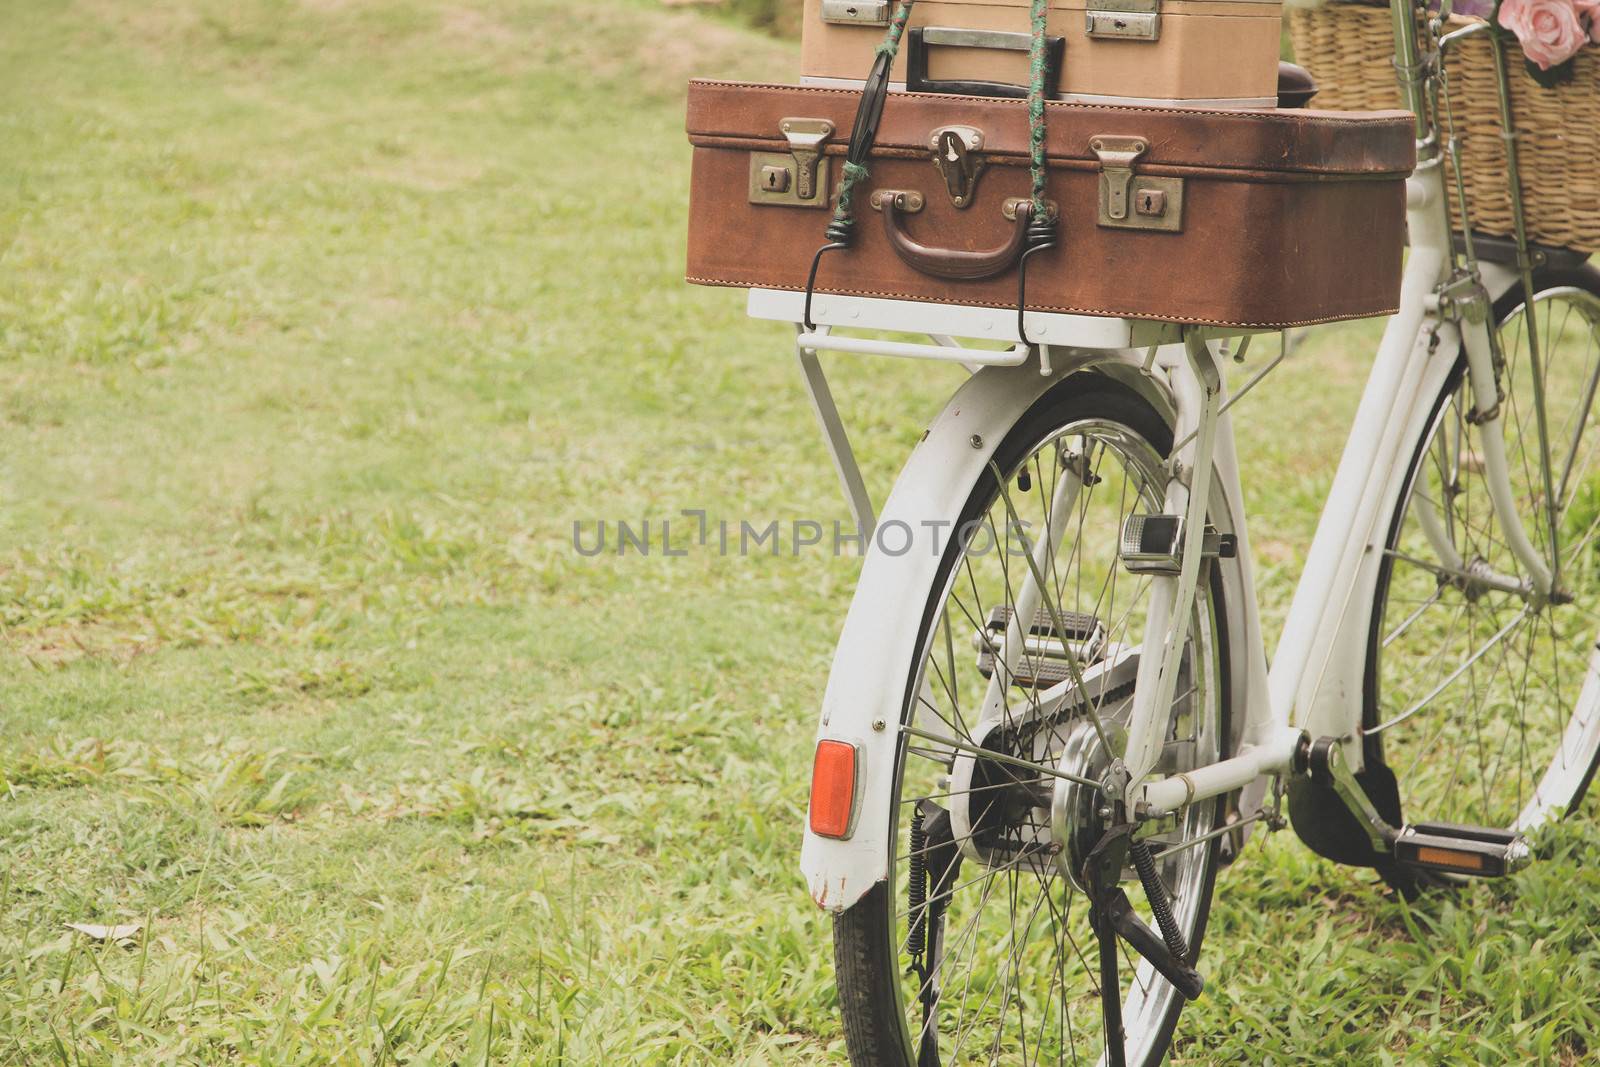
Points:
(1044, 736)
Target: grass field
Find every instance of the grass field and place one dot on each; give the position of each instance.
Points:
(321, 323)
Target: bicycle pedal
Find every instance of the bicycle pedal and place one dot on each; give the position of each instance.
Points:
(1479, 851)
(1153, 544)
(1044, 660)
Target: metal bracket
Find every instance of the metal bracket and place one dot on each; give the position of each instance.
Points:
(906, 201)
(838, 441)
(955, 152)
(1134, 201)
(1009, 208)
(1463, 297)
(1123, 20)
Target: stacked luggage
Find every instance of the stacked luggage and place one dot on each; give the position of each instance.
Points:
(1124, 158)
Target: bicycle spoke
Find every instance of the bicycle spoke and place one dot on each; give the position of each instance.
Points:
(1478, 682)
(1008, 971)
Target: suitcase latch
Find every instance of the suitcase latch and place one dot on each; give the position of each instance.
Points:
(1123, 20)
(1134, 201)
(796, 179)
(806, 138)
(856, 12)
(955, 152)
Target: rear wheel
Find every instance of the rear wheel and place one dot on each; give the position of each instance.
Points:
(978, 947)
(1482, 698)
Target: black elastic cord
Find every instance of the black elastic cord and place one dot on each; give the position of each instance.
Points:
(1041, 238)
(863, 135)
(811, 280)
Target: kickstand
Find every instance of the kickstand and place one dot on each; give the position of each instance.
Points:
(1110, 991)
(1113, 917)
(1102, 871)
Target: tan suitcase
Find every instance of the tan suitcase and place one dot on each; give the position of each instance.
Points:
(1217, 53)
(1225, 217)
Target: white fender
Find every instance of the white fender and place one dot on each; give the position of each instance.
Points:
(866, 690)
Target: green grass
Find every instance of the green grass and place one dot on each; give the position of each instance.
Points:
(321, 322)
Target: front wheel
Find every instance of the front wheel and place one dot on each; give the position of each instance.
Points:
(1483, 700)
(978, 948)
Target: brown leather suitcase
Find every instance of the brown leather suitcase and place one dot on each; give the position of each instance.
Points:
(1261, 218)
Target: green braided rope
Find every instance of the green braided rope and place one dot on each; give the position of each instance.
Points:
(1036, 71)
(855, 173)
(897, 28)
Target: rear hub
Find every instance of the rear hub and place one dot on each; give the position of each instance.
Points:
(1081, 815)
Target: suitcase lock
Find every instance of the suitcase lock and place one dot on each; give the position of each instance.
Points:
(1132, 201)
(797, 178)
(955, 152)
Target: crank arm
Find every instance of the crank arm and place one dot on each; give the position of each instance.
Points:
(1331, 770)
(1445, 848)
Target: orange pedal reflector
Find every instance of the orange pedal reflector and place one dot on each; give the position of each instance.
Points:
(1445, 857)
(833, 789)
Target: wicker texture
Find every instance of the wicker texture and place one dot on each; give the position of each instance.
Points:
(1349, 49)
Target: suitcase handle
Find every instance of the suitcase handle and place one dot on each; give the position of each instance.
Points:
(920, 40)
(955, 264)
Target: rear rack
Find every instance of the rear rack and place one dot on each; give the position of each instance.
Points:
(944, 324)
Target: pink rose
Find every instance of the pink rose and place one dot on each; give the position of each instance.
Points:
(1589, 11)
(1548, 29)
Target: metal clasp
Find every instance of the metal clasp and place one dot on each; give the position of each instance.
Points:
(806, 138)
(856, 12)
(1130, 201)
(955, 152)
(1123, 20)
(1116, 156)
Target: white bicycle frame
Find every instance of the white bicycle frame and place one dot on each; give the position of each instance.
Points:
(1314, 686)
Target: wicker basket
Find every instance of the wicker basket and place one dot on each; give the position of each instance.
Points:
(1349, 49)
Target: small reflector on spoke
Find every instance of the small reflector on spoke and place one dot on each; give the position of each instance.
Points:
(1443, 857)
(833, 789)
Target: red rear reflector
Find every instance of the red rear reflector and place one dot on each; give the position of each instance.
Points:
(833, 789)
